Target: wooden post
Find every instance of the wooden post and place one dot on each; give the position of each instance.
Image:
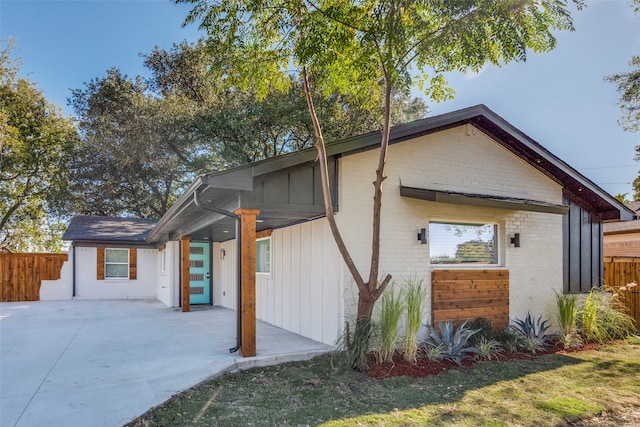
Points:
(185, 250)
(248, 281)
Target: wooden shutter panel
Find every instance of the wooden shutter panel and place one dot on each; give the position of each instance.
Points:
(133, 267)
(100, 264)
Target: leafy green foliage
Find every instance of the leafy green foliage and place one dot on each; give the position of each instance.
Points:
(452, 340)
(145, 140)
(628, 86)
(35, 145)
(392, 307)
(415, 294)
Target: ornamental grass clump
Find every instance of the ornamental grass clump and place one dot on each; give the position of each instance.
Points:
(391, 309)
(415, 294)
(566, 312)
(603, 317)
(353, 347)
(566, 315)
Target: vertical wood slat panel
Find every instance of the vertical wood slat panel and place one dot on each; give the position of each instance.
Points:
(133, 264)
(459, 295)
(620, 271)
(100, 264)
(21, 275)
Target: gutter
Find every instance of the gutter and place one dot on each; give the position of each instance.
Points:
(198, 203)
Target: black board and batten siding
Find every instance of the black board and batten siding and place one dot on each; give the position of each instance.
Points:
(582, 249)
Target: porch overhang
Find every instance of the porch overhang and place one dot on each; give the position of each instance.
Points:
(483, 200)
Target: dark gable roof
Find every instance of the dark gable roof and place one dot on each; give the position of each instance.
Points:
(109, 229)
(225, 188)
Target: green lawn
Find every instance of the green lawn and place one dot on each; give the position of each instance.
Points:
(550, 390)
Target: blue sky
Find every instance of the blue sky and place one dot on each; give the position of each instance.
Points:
(558, 98)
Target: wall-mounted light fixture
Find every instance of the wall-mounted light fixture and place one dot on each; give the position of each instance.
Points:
(223, 253)
(422, 236)
(515, 240)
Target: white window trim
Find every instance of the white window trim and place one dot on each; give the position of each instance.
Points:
(117, 263)
(163, 261)
(499, 265)
(270, 262)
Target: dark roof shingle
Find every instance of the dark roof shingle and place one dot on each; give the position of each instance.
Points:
(109, 229)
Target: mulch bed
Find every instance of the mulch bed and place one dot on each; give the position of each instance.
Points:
(423, 367)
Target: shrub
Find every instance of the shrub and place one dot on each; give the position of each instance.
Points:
(603, 317)
(486, 330)
(415, 294)
(454, 341)
(392, 306)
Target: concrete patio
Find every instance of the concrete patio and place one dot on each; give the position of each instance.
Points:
(102, 363)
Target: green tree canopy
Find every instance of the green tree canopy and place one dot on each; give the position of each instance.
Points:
(145, 140)
(628, 86)
(35, 143)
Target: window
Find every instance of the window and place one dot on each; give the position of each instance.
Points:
(462, 243)
(116, 263)
(163, 261)
(263, 255)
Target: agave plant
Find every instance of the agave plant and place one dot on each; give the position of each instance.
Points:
(453, 341)
(534, 330)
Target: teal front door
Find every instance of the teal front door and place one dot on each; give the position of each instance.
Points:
(199, 273)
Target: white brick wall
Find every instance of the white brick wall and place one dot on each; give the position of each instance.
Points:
(464, 160)
(89, 287)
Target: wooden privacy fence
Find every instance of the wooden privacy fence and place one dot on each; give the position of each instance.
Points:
(620, 271)
(22, 274)
(467, 294)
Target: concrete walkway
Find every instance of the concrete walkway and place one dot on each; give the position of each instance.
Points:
(102, 363)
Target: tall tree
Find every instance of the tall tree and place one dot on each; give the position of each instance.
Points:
(628, 86)
(127, 162)
(356, 47)
(35, 142)
(144, 140)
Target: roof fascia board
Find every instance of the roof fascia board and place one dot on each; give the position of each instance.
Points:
(180, 205)
(485, 201)
(112, 244)
(626, 214)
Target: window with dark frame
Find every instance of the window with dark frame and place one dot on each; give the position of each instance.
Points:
(458, 243)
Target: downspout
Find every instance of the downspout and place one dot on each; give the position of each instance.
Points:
(198, 203)
(73, 278)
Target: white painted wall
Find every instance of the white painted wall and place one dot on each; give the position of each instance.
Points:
(464, 160)
(88, 287)
(168, 281)
(302, 293)
(60, 289)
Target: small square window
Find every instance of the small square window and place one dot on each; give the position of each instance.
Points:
(463, 243)
(116, 263)
(263, 255)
